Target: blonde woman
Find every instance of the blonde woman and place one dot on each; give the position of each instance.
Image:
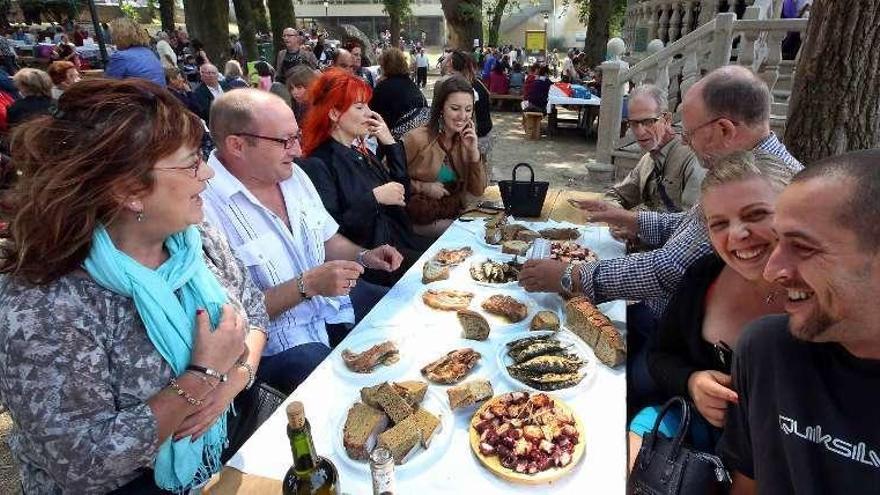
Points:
(234, 76)
(134, 58)
(35, 87)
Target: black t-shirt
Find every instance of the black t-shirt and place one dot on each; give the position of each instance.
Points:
(807, 418)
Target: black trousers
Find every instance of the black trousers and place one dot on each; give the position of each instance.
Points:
(421, 76)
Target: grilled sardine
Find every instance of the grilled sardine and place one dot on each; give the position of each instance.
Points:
(547, 364)
(537, 349)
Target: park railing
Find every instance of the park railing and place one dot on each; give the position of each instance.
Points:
(754, 42)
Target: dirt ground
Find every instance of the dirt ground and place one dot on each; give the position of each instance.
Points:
(560, 159)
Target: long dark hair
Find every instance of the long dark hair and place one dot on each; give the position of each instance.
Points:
(102, 141)
(452, 84)
(463, 63)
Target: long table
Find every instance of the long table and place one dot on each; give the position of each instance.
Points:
(423, 336)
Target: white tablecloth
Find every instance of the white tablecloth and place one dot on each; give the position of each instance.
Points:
(567, 100)
(330, 390)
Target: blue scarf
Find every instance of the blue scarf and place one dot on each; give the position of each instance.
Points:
(170, 324)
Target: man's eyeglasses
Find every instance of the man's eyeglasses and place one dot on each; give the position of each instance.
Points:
(633, 123)
(688, 135)
(287, 143)
(192, 169)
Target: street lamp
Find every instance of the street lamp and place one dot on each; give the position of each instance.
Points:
(546, 16)
(326, 6)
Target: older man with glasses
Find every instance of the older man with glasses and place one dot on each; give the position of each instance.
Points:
(278, 228)
(667, 178)
(292, 55)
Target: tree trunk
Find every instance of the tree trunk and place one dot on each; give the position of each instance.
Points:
(282, 16)
(464, 18)
(166, 15)
(261, 19)
(244, 14)
(835, 99)
(598, 26)
(495, 22)
(208, 22)
(394, 27)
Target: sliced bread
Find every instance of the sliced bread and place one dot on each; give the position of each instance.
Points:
(594, 328)
(545, 320)
(515, 247)
(400, 440)
(469, 393)
(412, 391)
(527, 235)
(392, 403)
(369, 396)
(474, 324)
(426, 423)
(362, 425)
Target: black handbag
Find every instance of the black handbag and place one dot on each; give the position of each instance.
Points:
(523, 198)
(665, 466)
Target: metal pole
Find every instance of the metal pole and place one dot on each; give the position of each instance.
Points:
(98, 31)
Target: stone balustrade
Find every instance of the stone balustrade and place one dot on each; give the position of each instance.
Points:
(753, 41)
(669, 20)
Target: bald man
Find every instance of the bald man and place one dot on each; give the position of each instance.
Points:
(293, 54)
(343, 59)
(210, 89)
(277, 226)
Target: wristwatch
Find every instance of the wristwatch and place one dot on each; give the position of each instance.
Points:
(360, 258)
(565, 281)
(302, 288)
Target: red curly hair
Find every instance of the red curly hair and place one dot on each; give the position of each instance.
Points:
(336, 89)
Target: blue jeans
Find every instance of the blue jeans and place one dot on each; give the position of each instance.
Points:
(642, 327)
(286, 370)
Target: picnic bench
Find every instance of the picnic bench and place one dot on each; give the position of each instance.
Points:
(502, 100)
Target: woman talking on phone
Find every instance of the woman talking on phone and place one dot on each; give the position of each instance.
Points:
(443, 160)
(365, 195)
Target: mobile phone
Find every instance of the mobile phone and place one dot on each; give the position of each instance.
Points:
(490, 205)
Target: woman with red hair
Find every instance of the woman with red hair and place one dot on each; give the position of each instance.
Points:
(365, 195)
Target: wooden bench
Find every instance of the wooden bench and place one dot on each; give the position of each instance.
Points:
(502, 99)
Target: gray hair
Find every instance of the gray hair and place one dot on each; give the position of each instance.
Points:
(233, 70)
(654, 93)
(742, 165)
(237, 112)
(860, 209)
(162, 35)
(735, 92)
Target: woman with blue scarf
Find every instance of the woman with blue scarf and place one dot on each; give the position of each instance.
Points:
(127, 327)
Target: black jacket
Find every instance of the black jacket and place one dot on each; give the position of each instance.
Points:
(204, 98)
(345, 180)
(26, 108)
(680, 349)
(394, 97)
(482, 109)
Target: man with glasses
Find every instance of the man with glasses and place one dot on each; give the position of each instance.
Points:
(292, 55)
(278, 228)
(668, 176)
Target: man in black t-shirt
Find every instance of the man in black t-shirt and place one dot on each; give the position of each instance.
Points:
(808, 381)
(293, 54)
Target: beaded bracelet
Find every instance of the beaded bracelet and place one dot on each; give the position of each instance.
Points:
(183, 393)
(252, 376)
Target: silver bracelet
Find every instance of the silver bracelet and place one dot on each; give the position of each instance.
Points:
(252, 376)
(258, 329)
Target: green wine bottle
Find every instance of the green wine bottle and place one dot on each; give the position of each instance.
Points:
(310, 474)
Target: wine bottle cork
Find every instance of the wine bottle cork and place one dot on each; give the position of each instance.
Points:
(296, 415)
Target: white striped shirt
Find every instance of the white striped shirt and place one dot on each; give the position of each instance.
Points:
(274, 253)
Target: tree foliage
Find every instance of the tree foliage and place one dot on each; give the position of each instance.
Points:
(53, 10)
(465, 21)
(398, 11)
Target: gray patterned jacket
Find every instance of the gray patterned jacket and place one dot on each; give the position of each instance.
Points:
(76, 369)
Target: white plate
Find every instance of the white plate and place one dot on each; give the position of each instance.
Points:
(420, 458)
(565, 336)
(382, 372)
(498, 258)
(483, 368)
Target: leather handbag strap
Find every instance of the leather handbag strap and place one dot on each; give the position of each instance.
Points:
(526, 165)
(682, 430)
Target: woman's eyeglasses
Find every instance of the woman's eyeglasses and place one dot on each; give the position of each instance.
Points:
(192, 169)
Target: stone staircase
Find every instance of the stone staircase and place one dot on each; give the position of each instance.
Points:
(754, 41)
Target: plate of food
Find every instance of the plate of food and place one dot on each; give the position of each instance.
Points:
(570, 251)
(439, 265)
(547, 361)
(496, 271)
(371, 356)
(454, 363)
(415, 424)
(529, 438)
